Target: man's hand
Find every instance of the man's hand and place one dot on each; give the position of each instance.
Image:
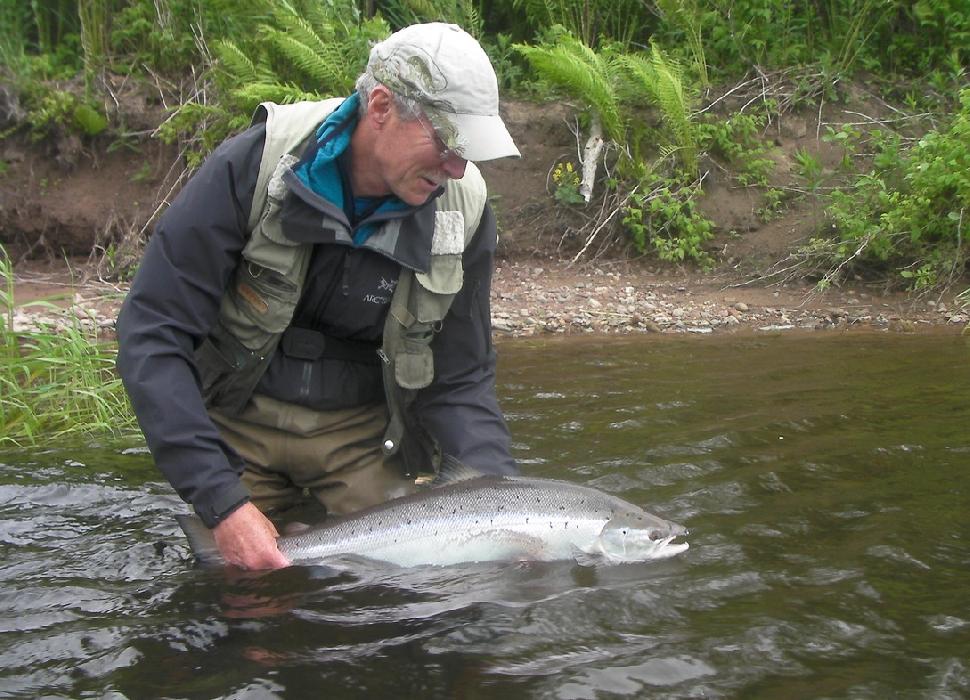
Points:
(247, 539)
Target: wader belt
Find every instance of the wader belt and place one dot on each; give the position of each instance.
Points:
(307, 344)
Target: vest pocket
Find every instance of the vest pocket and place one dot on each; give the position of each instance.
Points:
(265, 298)
(220, 361)
(432, 296)
(414, 362)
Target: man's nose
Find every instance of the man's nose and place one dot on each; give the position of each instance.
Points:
(454, 166)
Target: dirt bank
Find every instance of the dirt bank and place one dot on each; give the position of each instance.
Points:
(61, 201)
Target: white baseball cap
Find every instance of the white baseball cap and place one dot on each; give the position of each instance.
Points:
(445, 69)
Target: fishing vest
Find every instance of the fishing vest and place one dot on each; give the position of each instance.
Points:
(266, 286)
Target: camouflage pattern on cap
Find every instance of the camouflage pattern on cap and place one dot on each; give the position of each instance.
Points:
(414, 74)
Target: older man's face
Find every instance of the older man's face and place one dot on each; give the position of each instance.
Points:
(412, 161)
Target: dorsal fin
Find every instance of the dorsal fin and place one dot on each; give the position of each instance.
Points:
(452, 470)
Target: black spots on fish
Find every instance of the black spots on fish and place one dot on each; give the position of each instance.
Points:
(562, 507)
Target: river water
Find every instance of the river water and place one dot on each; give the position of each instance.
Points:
(825, 479)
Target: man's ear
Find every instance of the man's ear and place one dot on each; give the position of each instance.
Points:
(380, 105)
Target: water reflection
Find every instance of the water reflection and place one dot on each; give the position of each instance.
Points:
(824, 480)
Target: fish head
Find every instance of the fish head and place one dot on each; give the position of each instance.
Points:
(629, 537)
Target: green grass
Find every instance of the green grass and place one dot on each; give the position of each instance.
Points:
(57, 383)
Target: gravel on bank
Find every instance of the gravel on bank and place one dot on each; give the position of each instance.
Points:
(550, 297)
(534, 299)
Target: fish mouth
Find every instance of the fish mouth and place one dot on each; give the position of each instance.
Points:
(665, 545)
(668, 548)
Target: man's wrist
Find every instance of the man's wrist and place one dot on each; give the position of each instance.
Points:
(214, 511)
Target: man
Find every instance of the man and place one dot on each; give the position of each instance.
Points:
(311, 316)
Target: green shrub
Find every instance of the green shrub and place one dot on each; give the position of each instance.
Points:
(738, 142)
(50, 110)
(662, 216)
(910, 213)
(165, 35)
(303, 51)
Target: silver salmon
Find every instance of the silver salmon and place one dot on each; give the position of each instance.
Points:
(470, 517)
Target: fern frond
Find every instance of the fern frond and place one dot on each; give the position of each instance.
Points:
(471, 18)
(637, 79)
(317, 33)
(583, 74)
(305, 59)
(674, 106)
(252, 94)
(235, 61)
(340, 17)
(658, 81)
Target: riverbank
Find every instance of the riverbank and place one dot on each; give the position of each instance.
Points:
(536, 291)
(547, 296)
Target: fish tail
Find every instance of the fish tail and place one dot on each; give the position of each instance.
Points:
(201, 540)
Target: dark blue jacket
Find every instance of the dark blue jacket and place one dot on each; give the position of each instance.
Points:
(174, 302)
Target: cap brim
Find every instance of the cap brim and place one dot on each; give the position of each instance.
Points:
(486, 137)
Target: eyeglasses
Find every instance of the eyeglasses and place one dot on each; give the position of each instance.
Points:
(444, 153)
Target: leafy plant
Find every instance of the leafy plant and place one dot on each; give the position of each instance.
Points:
(686, 15)
(304, 51)
(167, 35)
(846, 138)
(657, 80)
(611, 85)
(49, 110)
(509, 70)
(464, 13)
(911, 210)
(612, 21)
(584, 74)
(774, 202)
(662, 215)
(809, 169)
(566, 180)
(738, 141)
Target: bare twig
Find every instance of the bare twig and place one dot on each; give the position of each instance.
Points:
(601, 226)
